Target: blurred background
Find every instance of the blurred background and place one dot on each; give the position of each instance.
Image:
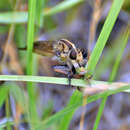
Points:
(80, 23)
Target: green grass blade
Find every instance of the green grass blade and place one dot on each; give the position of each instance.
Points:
(100, 111)
(40, 7)
(30, 38)
(75, 98)
(123, 43)
(30, 35)
(103, 37)
(19, 95)
(108, 57)
(22, 17)
(53, 80)
(3, 94)
(8, 113)
(66, 4)
(13, 17)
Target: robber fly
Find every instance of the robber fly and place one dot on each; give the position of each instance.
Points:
(72, 59)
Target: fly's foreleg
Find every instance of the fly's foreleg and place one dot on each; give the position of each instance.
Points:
(70, 76)
(64, 70)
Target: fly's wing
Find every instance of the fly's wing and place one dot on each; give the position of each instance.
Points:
(44, 48)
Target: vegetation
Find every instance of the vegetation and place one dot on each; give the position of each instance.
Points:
(37, 17)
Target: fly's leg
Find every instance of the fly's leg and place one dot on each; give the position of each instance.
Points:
(88, 79)
(64, 70)
(70, 76)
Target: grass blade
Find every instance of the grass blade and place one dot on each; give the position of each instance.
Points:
(55, 80)
(123, 43)
(22, 17)
(40, 4)
(30, 38)
(66, 4)
(75, 98)
(103, 37)
(3, 94)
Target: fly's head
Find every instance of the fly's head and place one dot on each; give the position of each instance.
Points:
(79, 59)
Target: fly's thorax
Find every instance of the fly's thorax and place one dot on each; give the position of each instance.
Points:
(61, 48)
(67, 44)
(58, 48)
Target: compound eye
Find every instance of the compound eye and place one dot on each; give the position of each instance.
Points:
(84, 53)
(73, 55)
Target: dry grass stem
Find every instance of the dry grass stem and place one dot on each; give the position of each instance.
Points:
(101, 87)
(83, 112)
(97, 12)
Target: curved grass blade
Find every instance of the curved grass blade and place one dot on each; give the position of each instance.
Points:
(75, 98)
(67, 110)
(103, 37)
(3, 94)
(123, 43)
(30, 37)
(22, 17)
